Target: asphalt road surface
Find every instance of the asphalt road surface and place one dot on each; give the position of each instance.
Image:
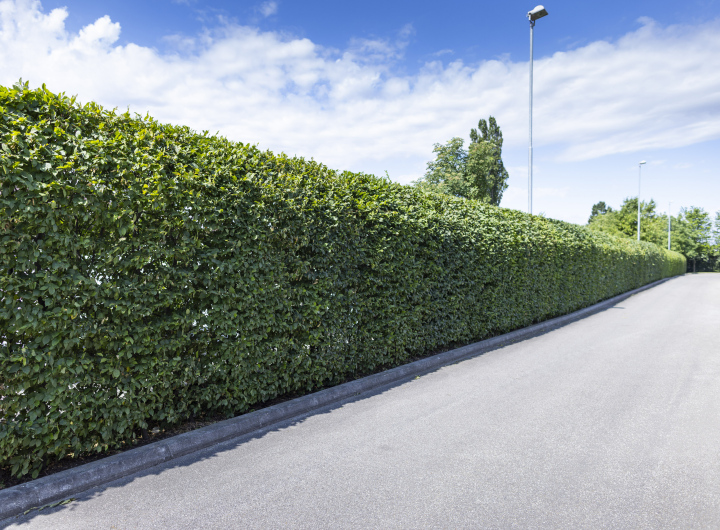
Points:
(612, 421)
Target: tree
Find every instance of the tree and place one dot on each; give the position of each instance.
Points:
(623, 222)
(476, 173)
(693, 234)
(715, 252)
(599, 208)
(486, 170)
(628, 218)
(446, 174)
(698, 245)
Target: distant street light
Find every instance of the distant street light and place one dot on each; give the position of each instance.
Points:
(640, 165)
(669, 223)
(533, 15)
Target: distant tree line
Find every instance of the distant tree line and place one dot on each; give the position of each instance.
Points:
(694, 233)
(473, 173)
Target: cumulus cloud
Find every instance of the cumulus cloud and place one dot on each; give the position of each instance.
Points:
(653, 88)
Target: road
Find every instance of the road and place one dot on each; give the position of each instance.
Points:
(612, 421)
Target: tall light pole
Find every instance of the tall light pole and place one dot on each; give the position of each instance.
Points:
(669, 223)
(536, 13)
(640, 165)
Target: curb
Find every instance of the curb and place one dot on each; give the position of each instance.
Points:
(64, 484)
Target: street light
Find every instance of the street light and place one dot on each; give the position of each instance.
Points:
(640, 165)
(536, 13)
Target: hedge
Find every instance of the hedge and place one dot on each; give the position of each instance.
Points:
(150, 274)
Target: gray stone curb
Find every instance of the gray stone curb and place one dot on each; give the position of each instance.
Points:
(62, 485)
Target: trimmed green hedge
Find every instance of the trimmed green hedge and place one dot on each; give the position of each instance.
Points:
(149, 274)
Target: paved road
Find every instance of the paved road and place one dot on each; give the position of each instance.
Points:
(610, 422)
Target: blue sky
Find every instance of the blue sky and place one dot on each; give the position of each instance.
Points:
(370, 86)
(473, 31)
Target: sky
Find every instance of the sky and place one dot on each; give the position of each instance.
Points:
(371, 86)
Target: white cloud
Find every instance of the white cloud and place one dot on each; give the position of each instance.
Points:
(268, 8)
(654, 88)
(99, 35)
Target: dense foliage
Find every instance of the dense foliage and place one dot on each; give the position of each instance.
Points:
(149, 274)
(599, 208)
(691, 232)
(476, 173)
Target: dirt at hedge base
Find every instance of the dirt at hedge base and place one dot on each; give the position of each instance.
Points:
(7, 481)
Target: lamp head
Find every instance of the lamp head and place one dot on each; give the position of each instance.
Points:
(642, 162)
(536, 13)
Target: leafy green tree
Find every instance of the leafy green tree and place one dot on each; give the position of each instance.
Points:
(446, 174)
(698, 235)
(628, 217)
(692, 231)
(682, 237)
(474, 173)
(607, 222)
(599, 208)
(623, 222)
(715, 252)
(485, 168)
